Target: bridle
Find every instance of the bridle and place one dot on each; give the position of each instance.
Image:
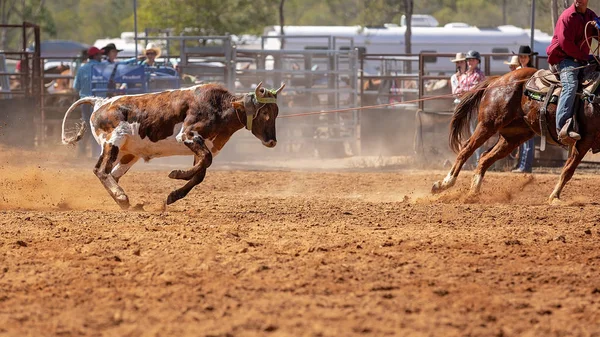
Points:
(257, 98)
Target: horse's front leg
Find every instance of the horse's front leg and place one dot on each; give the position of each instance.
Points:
(578, 151)
(479, 137)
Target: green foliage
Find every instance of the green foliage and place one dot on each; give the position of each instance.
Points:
(209, 17)
(88, 20)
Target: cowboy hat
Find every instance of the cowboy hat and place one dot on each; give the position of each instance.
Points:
(514, 61)
(153, 47)
(459, 57)
(525, 50)
(109, 47)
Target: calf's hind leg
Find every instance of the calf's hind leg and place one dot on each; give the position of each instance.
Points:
(195, 175)
(103, 170)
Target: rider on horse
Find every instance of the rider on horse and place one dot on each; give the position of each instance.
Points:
(569, 53)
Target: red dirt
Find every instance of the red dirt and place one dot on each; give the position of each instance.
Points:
(297, 254)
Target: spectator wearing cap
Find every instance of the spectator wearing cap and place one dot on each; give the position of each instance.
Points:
(472, 77)
(526, 149)
(111, 51)
(461, 68)
(513, 62)
(83, 85)
(152, 52)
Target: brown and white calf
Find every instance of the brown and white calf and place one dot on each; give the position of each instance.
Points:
(198, 120)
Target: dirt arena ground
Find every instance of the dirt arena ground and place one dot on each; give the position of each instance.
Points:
(295, 253)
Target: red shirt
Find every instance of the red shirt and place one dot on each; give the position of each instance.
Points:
(569, 36)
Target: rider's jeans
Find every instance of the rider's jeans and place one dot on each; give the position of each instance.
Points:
(569, 81)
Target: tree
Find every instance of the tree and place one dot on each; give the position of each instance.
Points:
(281, 22)
(209, 17)
(17, 11)
(408, 10)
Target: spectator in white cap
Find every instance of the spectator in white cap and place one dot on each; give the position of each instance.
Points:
(513, 62)
(152, 52)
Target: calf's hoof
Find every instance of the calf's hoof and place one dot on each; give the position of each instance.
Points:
(180, 174)
(173, 196)
(175, 174)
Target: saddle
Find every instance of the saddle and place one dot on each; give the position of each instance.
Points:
(545, 86)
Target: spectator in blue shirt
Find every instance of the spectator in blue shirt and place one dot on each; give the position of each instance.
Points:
(111, 51)
(83, 85)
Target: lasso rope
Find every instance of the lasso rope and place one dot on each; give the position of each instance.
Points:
(421, 99)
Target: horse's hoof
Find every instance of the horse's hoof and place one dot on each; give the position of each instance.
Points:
(138, 207)
(555, 201)
(471, 198)
(436, 188)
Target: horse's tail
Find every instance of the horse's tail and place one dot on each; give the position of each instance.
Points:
(80, 133)
(459, 126)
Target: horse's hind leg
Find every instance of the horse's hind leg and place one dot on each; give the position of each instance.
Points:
(480, 136)
(505, 145)
(576, 155)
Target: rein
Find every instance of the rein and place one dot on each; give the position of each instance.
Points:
(595, 53)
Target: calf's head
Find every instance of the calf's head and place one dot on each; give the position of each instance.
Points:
(261, 111)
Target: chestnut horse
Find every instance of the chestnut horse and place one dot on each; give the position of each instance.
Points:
(504, 109)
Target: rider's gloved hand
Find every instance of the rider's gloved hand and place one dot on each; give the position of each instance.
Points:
(597, 22)
(592, 59)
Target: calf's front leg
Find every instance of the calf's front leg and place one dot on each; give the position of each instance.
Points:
(195, 175)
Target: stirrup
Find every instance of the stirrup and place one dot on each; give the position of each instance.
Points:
(590, 97)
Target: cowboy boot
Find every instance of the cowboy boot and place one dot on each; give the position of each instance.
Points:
(567, 135)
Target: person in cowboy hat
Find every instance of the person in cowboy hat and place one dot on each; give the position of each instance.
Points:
(148, 57)
(461, 68)
(513, 62)
(525, 165)
(474, 75)
(525, 56)
(111, 51)
(152, 52)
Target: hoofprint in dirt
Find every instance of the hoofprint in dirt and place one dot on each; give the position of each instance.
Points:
(298, 254)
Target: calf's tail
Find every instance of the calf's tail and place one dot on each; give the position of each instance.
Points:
(81, 132)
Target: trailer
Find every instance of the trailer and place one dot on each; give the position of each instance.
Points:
(389, 39)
